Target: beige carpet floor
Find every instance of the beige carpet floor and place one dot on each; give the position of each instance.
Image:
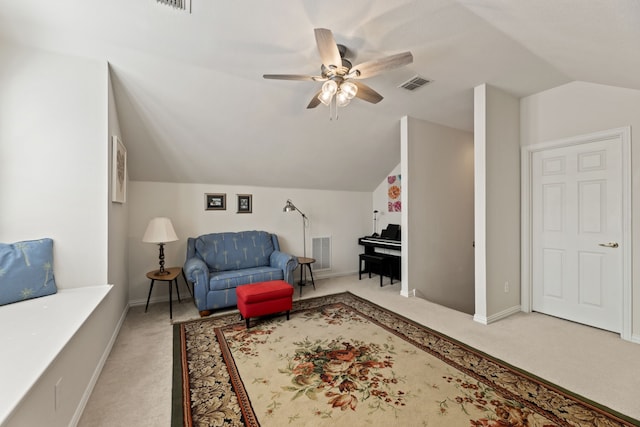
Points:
(134, 388)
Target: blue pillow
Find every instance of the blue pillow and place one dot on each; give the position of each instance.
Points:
(26, 270)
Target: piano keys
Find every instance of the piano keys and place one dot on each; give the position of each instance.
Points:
(378, 242)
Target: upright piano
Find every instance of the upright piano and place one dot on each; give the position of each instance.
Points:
(388, 244)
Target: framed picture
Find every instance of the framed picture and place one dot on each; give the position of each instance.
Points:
(118, 171)
(215, 202)
(244, 203)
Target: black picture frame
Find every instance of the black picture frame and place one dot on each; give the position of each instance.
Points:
(215, 201)
(245, 203)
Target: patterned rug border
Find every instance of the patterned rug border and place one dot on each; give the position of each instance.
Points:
(181, 411)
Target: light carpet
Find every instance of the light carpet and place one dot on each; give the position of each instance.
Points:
(342, 360)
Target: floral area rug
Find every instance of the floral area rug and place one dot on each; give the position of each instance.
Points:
(343, 361)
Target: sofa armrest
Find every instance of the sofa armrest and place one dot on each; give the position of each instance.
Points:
(197, 273)
(287, 263)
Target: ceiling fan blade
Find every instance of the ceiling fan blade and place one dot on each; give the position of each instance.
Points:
(366, 93)
(289, 77)
(377, 66)
(328, 48)
(315, 101)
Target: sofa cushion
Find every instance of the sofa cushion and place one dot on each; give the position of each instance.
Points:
(231, 279)
(26, 270)
(235, 251)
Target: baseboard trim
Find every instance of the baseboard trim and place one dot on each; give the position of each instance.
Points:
(139, 302)
(96, 373)
(498, 316)
(635, 338)
(164, 297)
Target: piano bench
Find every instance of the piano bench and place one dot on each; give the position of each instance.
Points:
(379, 260)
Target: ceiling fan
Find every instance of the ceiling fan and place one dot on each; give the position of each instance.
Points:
(341, 79)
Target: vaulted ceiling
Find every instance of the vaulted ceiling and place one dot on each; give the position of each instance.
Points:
(193, 106)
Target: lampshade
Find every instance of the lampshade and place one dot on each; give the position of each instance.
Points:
(330, 87)
(325, 97)
(342, 100)
(160, 230)
(349, 89)
(289, 207)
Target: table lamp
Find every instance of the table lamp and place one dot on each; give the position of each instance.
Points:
(160, 231)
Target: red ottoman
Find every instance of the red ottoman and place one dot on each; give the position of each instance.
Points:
(260, 299)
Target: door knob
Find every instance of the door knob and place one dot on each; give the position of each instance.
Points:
(609, 245)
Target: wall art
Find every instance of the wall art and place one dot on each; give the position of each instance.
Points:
(215, 201)
(118, 171)
(244, 203)
(394, 192)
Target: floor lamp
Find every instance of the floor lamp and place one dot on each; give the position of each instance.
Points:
(290, 207)
(375, 223)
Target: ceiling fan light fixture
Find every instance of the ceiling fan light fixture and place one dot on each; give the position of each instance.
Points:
(336, 70)
(342, 100)
(349, 89)
(330, 87)
(325, 97)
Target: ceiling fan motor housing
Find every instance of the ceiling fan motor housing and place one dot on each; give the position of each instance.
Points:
(340, 71)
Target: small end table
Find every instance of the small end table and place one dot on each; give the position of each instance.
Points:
(303, 281)
(172, 276)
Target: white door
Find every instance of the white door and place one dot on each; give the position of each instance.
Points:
(577, 270)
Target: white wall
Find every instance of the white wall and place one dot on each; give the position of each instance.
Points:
(55, 119)
(437, 197)
(53, 169)
(343, 216)
(497, 203)
(118, 244)
(380, 199)
(579, 108)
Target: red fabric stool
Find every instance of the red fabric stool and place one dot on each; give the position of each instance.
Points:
(260, 299)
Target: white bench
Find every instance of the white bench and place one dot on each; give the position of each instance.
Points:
(34, 332)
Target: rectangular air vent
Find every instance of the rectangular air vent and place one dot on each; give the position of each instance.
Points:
(415, 83)
(321, 252)
(178, 4)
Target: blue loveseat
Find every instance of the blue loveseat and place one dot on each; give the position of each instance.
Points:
(217, 263)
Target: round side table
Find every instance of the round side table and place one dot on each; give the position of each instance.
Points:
(303, 273)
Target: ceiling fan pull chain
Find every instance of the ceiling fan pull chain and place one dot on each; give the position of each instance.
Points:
(334, 106)
(331, 106)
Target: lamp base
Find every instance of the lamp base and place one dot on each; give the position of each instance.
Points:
(162, 272)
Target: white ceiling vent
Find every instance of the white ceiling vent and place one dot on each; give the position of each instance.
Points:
(178, 4)
(415, 83)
